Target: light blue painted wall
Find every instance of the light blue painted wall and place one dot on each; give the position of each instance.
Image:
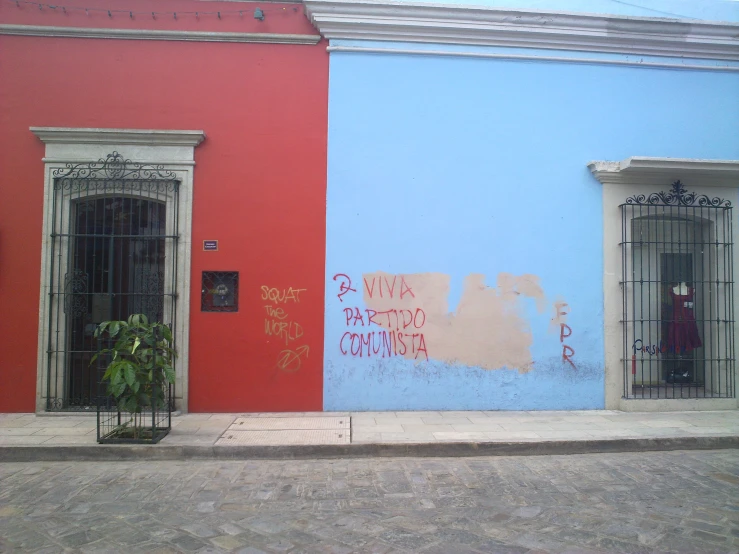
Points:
(708, 10)
(460, 166)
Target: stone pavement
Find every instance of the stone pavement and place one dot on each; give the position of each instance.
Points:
(65, 436)
(680, 501)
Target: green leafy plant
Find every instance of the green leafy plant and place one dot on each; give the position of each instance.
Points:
(140, 367)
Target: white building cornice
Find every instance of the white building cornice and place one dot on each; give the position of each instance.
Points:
(645, 171)
(145, 137)
(155, 34)
(434, 23)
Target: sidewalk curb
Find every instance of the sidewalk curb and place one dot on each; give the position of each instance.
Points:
(420, 450)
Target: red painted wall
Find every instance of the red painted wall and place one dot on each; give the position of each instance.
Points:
(260, 180)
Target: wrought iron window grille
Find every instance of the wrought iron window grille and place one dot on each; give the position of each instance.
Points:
(678, 295)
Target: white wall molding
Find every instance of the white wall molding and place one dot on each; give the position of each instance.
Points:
(537, 57)
(433, 23)
(155, 34)
(171, 149)
(639, 170)
(150, 137)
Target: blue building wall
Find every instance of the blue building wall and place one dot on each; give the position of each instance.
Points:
(446, 173)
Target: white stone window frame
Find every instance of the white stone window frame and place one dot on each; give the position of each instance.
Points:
(174, 150)
(646, 175)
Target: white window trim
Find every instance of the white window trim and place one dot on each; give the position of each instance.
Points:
(645, 175)
(172, 149)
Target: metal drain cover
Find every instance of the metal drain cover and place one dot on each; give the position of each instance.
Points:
(284, 437)
(297, 423)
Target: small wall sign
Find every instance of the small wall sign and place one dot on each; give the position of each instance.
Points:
(211, 245)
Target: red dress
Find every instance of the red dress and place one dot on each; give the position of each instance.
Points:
(682, 334)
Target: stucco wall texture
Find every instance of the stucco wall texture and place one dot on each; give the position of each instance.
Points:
(464, 182)
(259, 182)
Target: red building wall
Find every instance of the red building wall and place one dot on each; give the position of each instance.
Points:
(260, 181)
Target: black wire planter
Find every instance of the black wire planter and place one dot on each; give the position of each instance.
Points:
(117, 426)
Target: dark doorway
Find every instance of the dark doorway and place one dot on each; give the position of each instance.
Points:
(117, 254)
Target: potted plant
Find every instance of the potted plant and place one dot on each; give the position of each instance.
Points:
(138, 378)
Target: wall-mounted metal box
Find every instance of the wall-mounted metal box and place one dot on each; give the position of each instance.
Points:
(220, 291)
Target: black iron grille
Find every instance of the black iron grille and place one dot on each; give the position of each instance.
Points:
(113, 254)
(220, 291)
(678, 296)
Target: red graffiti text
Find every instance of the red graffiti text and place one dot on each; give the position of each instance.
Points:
(383, 344)
(386, 333)
(399, 319)
(562, 310)
(385, 287)
(345, 285)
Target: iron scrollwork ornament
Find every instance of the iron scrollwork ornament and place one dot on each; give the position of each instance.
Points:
(75, 293)
(678, 196)
(114, 167)
(150, 293)
(54, 404)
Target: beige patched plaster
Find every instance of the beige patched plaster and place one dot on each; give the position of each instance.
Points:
(488, 330)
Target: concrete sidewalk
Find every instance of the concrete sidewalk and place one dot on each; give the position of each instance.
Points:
(331, 434)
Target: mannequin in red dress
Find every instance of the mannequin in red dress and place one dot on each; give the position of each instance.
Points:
(682, 334)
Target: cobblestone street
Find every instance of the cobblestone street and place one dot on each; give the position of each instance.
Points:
(634, 502)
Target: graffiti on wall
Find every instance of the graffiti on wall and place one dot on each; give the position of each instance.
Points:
(561, 311)
(387, 315)
(656, 349)
(402, 328)
(279, 324)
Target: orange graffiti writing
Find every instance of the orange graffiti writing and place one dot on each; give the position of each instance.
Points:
(277, 313)
(277, 323)
(290, 360)
(281, 296)
(287, 330)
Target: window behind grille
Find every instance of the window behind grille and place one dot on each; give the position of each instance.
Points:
(677, 286)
